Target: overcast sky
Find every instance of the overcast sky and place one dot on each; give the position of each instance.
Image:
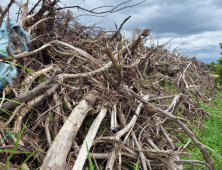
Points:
(197, 23)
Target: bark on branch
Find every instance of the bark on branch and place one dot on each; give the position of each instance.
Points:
(28, 95)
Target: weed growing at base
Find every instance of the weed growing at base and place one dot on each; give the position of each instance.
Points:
(210, 136)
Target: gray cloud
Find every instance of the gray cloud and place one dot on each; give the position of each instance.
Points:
(198, 23)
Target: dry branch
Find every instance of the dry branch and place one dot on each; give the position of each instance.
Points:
(23, 16)
(57, 153)
(30, 105)
(3, 13)
(57, 114)
(205, 153)
(28, 95)
(80, 161)
(132, 121)
(142, 156)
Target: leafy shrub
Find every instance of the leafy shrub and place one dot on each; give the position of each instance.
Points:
(217, 68)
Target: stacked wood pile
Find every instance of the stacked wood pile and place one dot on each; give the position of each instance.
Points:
(82, 86)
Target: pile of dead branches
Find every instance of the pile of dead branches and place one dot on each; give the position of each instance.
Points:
(83, 85)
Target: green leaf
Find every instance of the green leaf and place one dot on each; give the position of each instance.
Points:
(16, 144)
(29, 156)
(10, 151)
(91, 167)
(137, 165)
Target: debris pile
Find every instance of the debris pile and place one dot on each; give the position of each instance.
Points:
(82, 87)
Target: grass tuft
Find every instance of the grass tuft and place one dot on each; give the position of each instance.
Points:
(209, 135)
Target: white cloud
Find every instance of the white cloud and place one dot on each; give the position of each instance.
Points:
(195, 42)
(204, 45)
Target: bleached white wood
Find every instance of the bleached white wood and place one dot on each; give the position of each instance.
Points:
(89, 139)
(142, 156)
(23, 16)
(113, 118)
(57, 153)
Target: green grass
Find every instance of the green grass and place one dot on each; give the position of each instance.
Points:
(210, 136)
(137, 165)
(91, 166)
(134, 166)
(41, 79)
(14, 149)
